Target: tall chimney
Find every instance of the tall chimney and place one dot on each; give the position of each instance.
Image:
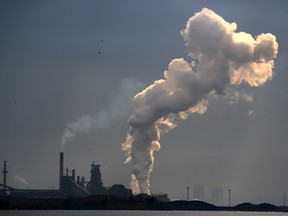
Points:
(61, 170)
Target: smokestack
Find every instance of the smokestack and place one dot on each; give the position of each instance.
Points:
(61, 170)
(4, 177)
(78, 180)
(73, 174)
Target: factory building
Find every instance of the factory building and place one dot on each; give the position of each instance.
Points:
(119, 190)
(69, 186)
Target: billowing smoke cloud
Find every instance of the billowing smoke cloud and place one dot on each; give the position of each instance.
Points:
(120, 105)
(221, 59)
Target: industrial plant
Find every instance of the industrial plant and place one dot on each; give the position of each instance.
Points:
(69, 186)
(75, 192)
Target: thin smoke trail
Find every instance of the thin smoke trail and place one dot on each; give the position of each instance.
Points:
(119, 106)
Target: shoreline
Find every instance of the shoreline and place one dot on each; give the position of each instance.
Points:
(114, 203)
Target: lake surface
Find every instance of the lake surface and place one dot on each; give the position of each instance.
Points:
(131, 213)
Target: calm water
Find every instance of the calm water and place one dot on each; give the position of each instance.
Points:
(132, 213)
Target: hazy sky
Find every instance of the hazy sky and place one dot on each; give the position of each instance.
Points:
(63, 61)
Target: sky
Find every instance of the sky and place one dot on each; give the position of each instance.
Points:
(69, 64)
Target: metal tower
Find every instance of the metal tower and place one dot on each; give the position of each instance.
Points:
(95, 185)
(4, 178)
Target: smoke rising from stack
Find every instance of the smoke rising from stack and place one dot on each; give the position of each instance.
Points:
(222, 59)
(120, 105)
(20, 179)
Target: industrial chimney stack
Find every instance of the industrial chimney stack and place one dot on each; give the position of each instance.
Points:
(61, 170)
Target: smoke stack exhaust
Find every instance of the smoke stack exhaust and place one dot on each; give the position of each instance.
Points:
(221, 60)
(118, 106)
(61, 170)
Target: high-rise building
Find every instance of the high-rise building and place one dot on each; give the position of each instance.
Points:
(198, 192)
(217, 197)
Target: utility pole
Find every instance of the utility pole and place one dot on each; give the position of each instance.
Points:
(187, 193)
(284, 201)
(229, 197)
(5, 174)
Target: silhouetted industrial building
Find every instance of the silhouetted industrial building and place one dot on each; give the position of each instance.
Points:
(119, 190)
(95, 185)
(69, 186)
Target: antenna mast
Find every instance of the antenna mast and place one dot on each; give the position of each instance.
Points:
(4, 178)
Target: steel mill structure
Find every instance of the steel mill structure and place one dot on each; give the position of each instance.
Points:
(69, 185)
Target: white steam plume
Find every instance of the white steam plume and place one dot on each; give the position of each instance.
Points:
(20, 179)
(221, 58)
(119, 106)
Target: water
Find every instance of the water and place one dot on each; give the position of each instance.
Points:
(130, 213)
